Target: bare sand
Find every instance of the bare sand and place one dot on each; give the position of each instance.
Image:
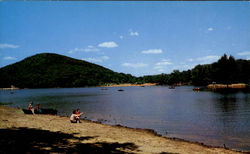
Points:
(223, 86)
(22, 133)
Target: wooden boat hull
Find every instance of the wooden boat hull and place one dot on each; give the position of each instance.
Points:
(43, 111)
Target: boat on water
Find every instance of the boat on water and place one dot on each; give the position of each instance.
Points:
(120, 90)
(42, 111)
(196, 89)
(171, 87)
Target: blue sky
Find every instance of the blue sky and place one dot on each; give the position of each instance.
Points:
(140, 38)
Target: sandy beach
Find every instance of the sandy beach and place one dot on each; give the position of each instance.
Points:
(231, 86)
(47, 133)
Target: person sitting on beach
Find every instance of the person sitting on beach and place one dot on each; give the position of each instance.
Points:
(31, 107)
(38, 110)
(78, 113)
(74, 118)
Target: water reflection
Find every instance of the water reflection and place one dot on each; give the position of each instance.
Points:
(232, 114)
(208, 117)
(226, 103)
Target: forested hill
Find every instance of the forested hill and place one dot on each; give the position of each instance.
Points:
(52, 70)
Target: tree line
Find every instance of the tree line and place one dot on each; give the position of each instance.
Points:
(52, 70)
(226, 70)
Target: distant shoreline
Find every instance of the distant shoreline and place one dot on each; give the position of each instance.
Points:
(108, 85)
(210, 86)
(129, 85)
(224, 86)
(10, 88)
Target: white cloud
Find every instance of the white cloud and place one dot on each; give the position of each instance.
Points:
(5, 45)
(121, 37)
(205, 59)
(161, 65)
(96, 59)
(152, 51)
(246, 53)
(108, 44)
(105, 57)
(134, 33)
(70, 51)
(10, 58)
(135, 65)
(183, 67)
(208, 58)
(210, 29)
(163, 62)
(90, 48)
(159, 68)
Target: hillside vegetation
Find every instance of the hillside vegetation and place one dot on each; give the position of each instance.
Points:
(226, 70)
(52, 70)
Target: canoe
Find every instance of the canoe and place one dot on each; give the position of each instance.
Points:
(43, 111)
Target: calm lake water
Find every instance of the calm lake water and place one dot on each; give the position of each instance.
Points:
(207, 117)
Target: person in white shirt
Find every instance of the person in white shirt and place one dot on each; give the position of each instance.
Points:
(74, 118)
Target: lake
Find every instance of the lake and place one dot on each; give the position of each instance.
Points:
(208, 117)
